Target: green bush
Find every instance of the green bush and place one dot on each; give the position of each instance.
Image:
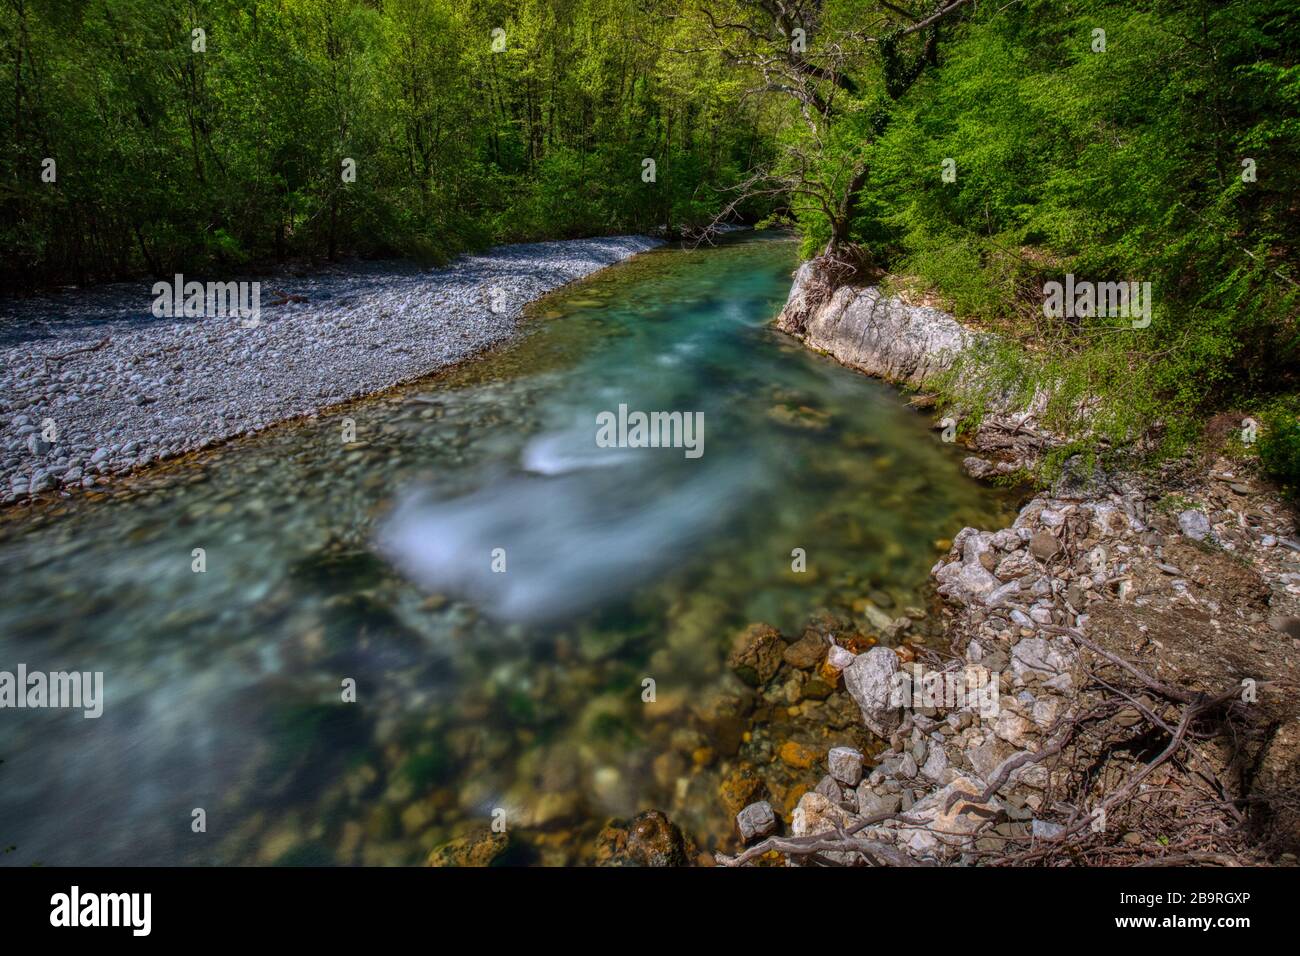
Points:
(1122, 165)
(1279, 443)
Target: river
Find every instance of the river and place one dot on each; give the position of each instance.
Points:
(493, 587)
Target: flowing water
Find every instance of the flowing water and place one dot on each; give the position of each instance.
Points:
(496, 586)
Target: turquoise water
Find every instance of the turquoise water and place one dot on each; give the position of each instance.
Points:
(478, 691)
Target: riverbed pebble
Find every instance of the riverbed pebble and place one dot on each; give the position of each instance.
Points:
(92, 376)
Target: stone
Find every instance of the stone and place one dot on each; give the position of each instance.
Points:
(839, 658)
(482, 849)
(816, 690)
(948, 825)
(870, 682)
(1044, 546)
(1015, 730)
(756, 654)
(841, 712)
(741, 787)
(648, 839)
(975, 580)
(1038, 655)
(999, 596)
(1046, 711)
(1195, 525)
(815, 814)
(871, 803)
(796, 755)
(756, 821)
(845, 765)
(805, 653)
(1045, 829)
(830, 789)
(935, 764)
(876, 618)
(988, 756)
(973, 544)
(1017, 564)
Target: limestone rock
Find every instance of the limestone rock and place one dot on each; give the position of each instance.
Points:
(870, 682)
(845, 765)
(756, 821)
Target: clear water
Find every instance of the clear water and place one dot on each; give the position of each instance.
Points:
(372, 561)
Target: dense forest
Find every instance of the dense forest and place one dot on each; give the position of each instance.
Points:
(967, 151)
(214, 134)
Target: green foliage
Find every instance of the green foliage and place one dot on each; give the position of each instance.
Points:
(1125, 164)
(1279, 442)
(175, 159)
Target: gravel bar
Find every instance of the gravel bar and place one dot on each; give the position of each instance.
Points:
(122, 388)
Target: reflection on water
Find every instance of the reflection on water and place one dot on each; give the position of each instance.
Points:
(477, 690)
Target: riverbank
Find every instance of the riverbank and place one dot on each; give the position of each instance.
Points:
(1112, 679)
(92, 385)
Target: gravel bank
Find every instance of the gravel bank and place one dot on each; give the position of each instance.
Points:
(123, 388)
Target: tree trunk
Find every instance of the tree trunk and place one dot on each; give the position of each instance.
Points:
(843, 220)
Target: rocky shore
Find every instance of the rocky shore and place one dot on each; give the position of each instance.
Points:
(911, 346)
(1110, 679)
(92, 385)
(1116, 616)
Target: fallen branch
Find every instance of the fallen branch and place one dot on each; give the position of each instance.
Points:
(85, 348)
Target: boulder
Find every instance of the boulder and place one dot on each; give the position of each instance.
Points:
(870, 682)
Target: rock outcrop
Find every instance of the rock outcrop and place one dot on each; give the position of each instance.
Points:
(909, 345)
(871, 332)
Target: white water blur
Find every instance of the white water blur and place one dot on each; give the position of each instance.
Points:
(583, 525)
(559, 453)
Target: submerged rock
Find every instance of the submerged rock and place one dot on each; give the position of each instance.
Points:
(741, 787)
(796, 755)
(756, 654)
(806, 652)
(648, 839)
(480, 849)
